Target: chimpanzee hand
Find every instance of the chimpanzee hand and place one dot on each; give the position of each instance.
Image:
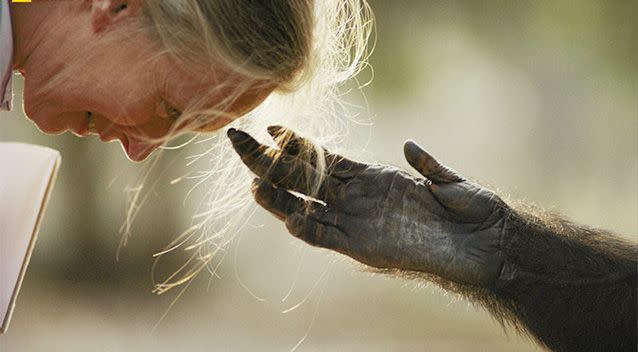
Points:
(380, 215)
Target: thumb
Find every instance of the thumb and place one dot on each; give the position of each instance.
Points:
(425, 164)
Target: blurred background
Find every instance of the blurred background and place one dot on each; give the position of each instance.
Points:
(537, 99)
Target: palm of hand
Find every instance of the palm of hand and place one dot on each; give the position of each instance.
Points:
(395, 220)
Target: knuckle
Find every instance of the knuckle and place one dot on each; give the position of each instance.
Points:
(260, 196)
(294, 224)
(323, 215)
(262, 200)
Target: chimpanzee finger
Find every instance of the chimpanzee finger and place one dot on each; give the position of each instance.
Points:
(282, 203)
(270, 164)
(289, 141)
(285, 171)
(293, 144)
(425, 164)
(258, 157)
(277, 201)
(313, 232)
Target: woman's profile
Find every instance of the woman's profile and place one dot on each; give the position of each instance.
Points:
(141, 73)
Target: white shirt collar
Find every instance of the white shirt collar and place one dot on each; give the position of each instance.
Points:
(6, 56)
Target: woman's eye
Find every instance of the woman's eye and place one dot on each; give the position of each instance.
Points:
(168, 111)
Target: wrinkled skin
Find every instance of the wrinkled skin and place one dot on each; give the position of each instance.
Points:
(381, 215)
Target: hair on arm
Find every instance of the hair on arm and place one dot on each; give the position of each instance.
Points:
(568, 287)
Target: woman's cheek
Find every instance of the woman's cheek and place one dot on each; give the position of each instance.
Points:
(127, 109)
(156, 128)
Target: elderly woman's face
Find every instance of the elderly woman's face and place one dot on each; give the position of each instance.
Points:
(115, 85)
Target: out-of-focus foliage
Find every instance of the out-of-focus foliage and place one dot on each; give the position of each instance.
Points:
(528, 34)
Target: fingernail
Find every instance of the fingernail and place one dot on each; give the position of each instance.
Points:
(293, 223)
(256, 185)
(411, 148)
(410, 143)
(274, 129)
(236, 136)
(259, 183)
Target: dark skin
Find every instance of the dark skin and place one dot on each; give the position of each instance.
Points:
(569, 287)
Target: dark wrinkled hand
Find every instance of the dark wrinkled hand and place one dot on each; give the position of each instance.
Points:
(377, 214)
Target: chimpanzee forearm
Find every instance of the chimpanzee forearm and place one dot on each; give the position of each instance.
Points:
(572, 288)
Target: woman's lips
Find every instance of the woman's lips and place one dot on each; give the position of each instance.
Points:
(83, 124)
(80, 127)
